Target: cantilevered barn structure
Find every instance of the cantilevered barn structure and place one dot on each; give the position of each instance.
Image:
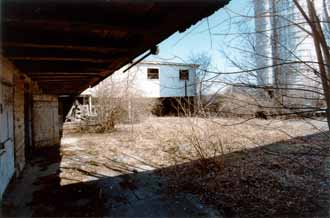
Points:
(52, 50)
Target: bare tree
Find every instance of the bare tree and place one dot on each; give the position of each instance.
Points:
(110, 104)
(296, 83)
(321, 47)
(203, 64)
(118, 101)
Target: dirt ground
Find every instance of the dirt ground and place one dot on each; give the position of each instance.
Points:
(187, 167)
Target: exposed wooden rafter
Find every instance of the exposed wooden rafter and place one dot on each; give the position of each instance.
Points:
(84, 48)
(67, 46)
(44, 58)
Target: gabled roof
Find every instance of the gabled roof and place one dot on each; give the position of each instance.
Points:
(69, 45)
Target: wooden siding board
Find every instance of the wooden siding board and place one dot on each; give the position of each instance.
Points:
(45, 121)
(19, 125)
(7, 168)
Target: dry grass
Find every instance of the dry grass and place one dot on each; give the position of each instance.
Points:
(197, 154)
(161, 135)
(162, 142)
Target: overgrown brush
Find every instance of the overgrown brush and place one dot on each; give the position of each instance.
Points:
(117, 102)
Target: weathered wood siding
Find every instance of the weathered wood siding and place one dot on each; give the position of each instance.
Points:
(28, 118)
(23, 120)
(19, 124)
(45, 121)
(7, 166)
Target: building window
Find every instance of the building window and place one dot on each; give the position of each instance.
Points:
(153, 73)
(184, 75)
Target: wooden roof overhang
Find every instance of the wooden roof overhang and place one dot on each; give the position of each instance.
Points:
(69, 45)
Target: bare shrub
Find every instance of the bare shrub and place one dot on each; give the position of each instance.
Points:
(137, 109)
(240, 105)
(250, 103)
(118, 102)
(110, 111)
(234, 167)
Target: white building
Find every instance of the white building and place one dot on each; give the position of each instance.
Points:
(159, 79)
(280, 41)
(175, 86)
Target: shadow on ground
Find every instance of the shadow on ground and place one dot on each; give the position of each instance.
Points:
(284, 179)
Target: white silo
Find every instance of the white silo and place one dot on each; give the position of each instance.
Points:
(288, 43)
(263, 47)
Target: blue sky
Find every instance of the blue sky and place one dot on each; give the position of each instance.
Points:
(200, 38)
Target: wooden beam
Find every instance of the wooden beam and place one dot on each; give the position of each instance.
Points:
(63, 88)
(79, 27)
(99, 49)
(89, 60)
(63, 91)
(43, 77)
(127, 13)
(52, 80)
(59, 66)
(64, 73)
(70, 39)
(63, 84)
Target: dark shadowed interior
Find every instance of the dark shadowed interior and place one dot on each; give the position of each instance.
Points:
(67, 46)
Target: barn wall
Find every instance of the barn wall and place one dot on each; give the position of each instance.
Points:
(7, 165)
(27, 116)
(46, 125)
(22, 119)
(19, 130)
